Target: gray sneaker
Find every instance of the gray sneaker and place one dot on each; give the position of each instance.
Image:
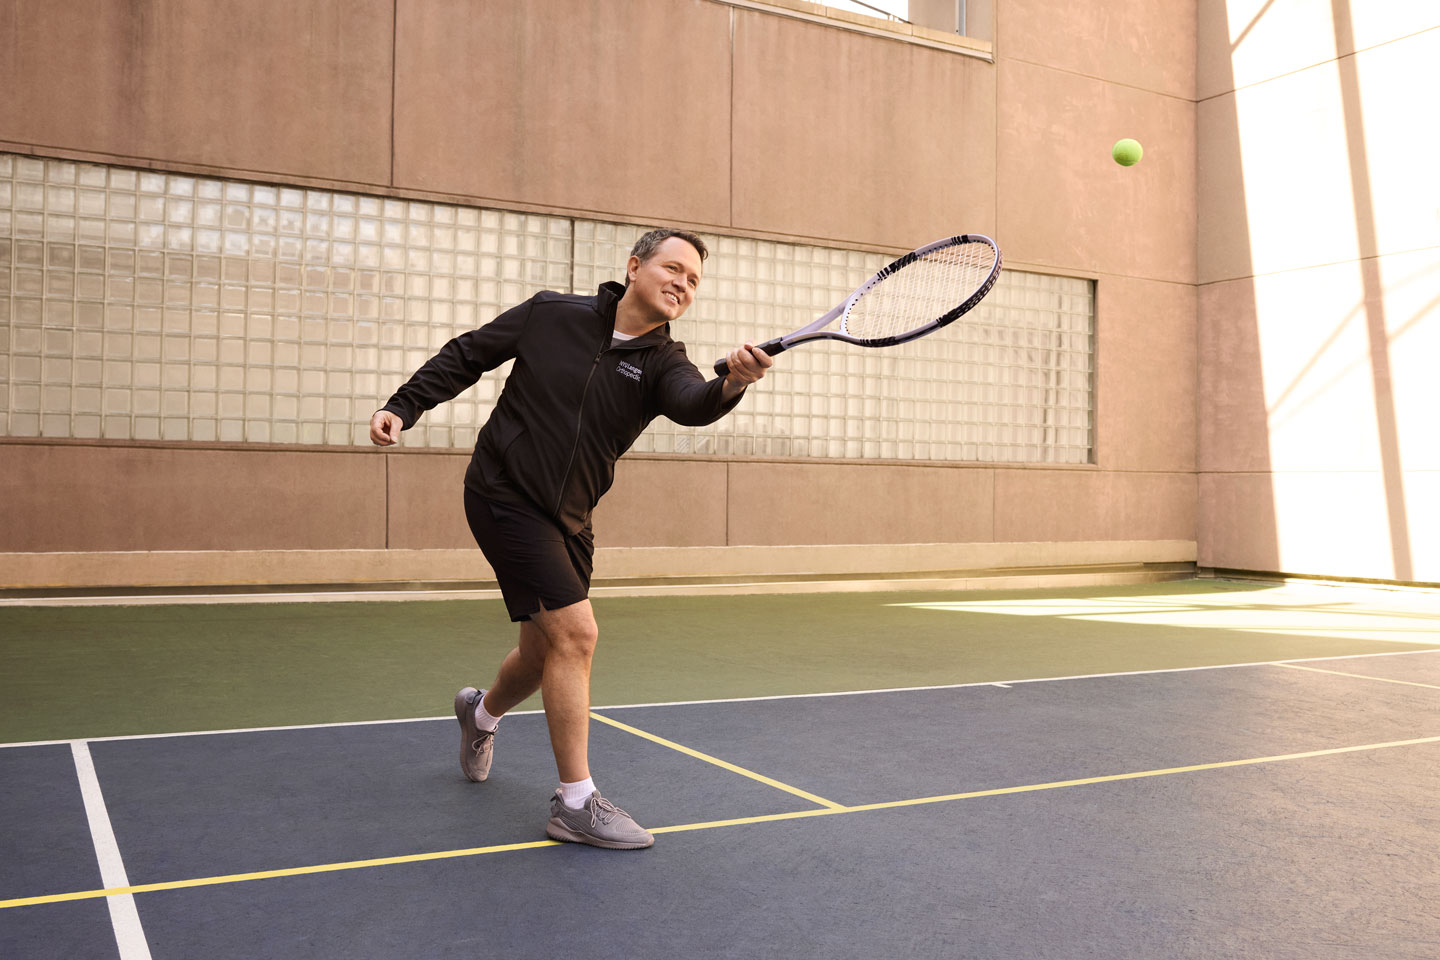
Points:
(477, 747)
(599, 823)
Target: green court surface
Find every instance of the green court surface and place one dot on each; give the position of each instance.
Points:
(93, 671)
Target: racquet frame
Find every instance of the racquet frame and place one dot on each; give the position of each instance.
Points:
(814, 331)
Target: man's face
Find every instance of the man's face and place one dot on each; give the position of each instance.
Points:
(665, 284)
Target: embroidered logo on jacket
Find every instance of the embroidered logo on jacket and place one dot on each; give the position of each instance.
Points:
(629, 370)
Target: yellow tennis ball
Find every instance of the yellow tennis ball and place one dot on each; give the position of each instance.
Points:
(1127, 152)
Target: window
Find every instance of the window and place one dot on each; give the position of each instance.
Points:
(139, 305)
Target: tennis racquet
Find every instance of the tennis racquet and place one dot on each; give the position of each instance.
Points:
(917, 294)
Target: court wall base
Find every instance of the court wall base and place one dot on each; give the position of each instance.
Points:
(190, 576)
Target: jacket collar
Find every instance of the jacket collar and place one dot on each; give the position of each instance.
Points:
(607, 298)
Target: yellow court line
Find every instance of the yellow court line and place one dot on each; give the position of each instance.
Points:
(273, 874)
(709, 825)
(1054, 785)
(1358, 676)
(1116, 777)
(720, 763)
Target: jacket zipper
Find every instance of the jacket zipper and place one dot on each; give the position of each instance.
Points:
(579, 418)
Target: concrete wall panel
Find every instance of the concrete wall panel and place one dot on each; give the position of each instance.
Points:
(1251, 41)
(1222, 243)
(664, 503)
(1411, 316)
(248, 85)
(1145, 377)
(1392, 150)
(1236, 522)
(80, 497)
(1333, 403)
(1319, 387)
(1258, 40)
(843, 137)
(782, 503)
(1422, 514)
(1064, 203)
(1233, 427)
(426, 497)
(614, 108)
(1138, 43)
(1333, 166)
(654, 503)
(1333, 375)
(1340, 524)
(1035, 505)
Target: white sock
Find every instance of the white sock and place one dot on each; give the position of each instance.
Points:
(574, 795)
(483, 720)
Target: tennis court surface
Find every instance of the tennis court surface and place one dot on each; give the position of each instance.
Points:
(1191, 769)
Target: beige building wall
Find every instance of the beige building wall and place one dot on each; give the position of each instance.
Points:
(1319, 266)
(746, 119)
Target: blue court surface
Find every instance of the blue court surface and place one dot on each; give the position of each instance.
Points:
(1269, 810)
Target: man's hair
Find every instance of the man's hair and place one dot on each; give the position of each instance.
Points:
(646, 246)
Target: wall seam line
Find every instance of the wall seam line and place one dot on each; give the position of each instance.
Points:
(394, 71)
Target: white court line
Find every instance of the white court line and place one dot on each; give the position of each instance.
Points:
(212, 599)
(216, 733)
(694, 703)
(129, 935)
(996, 683)
(1359, 676)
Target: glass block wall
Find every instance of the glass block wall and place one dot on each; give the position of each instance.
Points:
(140, 305)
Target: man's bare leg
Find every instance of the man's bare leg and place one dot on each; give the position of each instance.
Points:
(520, 672)
(569, 634)
(519, 676)
(554, 655)
(578, 814)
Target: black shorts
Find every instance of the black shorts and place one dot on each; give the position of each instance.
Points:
(536, 563)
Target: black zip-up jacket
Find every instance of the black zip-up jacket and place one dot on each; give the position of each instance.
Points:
(572, 403)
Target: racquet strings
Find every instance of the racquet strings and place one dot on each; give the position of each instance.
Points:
(920, 292)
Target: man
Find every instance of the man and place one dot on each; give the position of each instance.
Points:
(590, 373)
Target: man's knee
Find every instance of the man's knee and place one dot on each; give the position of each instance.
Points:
(575, 640)
(569, 632)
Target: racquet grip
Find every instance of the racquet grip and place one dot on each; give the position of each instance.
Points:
(771, 347)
